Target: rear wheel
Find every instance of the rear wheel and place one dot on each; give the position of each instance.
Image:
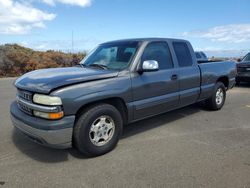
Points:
(218, 98)
(97, 130)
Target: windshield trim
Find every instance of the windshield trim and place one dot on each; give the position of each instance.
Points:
(243, 60)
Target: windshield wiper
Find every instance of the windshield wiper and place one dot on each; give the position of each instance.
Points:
(79, 65)
(98, 65)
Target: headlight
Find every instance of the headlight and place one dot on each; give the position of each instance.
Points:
(47, 100)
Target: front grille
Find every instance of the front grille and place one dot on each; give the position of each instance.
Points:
(24, 108)
(25, 95)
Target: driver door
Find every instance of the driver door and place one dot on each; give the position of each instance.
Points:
(155, 92)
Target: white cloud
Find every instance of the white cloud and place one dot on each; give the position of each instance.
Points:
(233, 33)
(82, 3)
(19, 18)
(49, 2)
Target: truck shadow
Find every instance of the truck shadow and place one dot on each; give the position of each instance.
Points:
(36, 151)
(48, 155)
(160, 120)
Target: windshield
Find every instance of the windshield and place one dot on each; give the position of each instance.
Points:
(198, 56)
(204, 55)
(115, 56)
(246, 58)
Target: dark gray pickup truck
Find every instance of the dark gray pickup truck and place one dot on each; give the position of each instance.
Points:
(118, 83)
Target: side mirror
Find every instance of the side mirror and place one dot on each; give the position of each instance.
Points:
(238, 60)
(149, 66)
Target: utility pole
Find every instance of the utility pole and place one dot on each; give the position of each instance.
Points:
(72, 40)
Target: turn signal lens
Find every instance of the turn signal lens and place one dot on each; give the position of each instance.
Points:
(51, 115)
(56, 115)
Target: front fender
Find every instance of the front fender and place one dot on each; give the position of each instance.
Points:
(76, 96)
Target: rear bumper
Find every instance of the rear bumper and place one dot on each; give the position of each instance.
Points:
(56, 134)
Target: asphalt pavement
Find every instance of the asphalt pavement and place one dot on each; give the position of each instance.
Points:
(190, 147)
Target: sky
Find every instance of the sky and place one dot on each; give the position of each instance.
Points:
(218, 27)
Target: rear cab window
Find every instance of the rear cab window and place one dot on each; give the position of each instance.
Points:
(183, 54)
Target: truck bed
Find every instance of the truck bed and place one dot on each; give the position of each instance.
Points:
(212, 71)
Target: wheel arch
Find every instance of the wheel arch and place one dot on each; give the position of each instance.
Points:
(224, 80)
(117, 102)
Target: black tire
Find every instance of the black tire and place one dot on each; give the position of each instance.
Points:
(212, 103)
(82, 135)
(237, 82)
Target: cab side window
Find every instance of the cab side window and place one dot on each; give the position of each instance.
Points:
(159, 52)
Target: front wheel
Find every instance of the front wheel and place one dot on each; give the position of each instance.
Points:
(218, 98)
(97, 130)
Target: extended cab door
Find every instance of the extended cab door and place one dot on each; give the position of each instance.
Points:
(155, 92)
(188, 73)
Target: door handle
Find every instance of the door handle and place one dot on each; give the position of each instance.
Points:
(174, 77)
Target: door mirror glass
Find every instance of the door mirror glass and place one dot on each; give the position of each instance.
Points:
(150, 65)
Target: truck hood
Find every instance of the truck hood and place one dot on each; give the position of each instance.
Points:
(46, 80)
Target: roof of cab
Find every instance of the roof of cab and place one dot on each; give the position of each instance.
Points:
(145, 40)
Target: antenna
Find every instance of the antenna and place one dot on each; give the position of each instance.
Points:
(72, 40)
